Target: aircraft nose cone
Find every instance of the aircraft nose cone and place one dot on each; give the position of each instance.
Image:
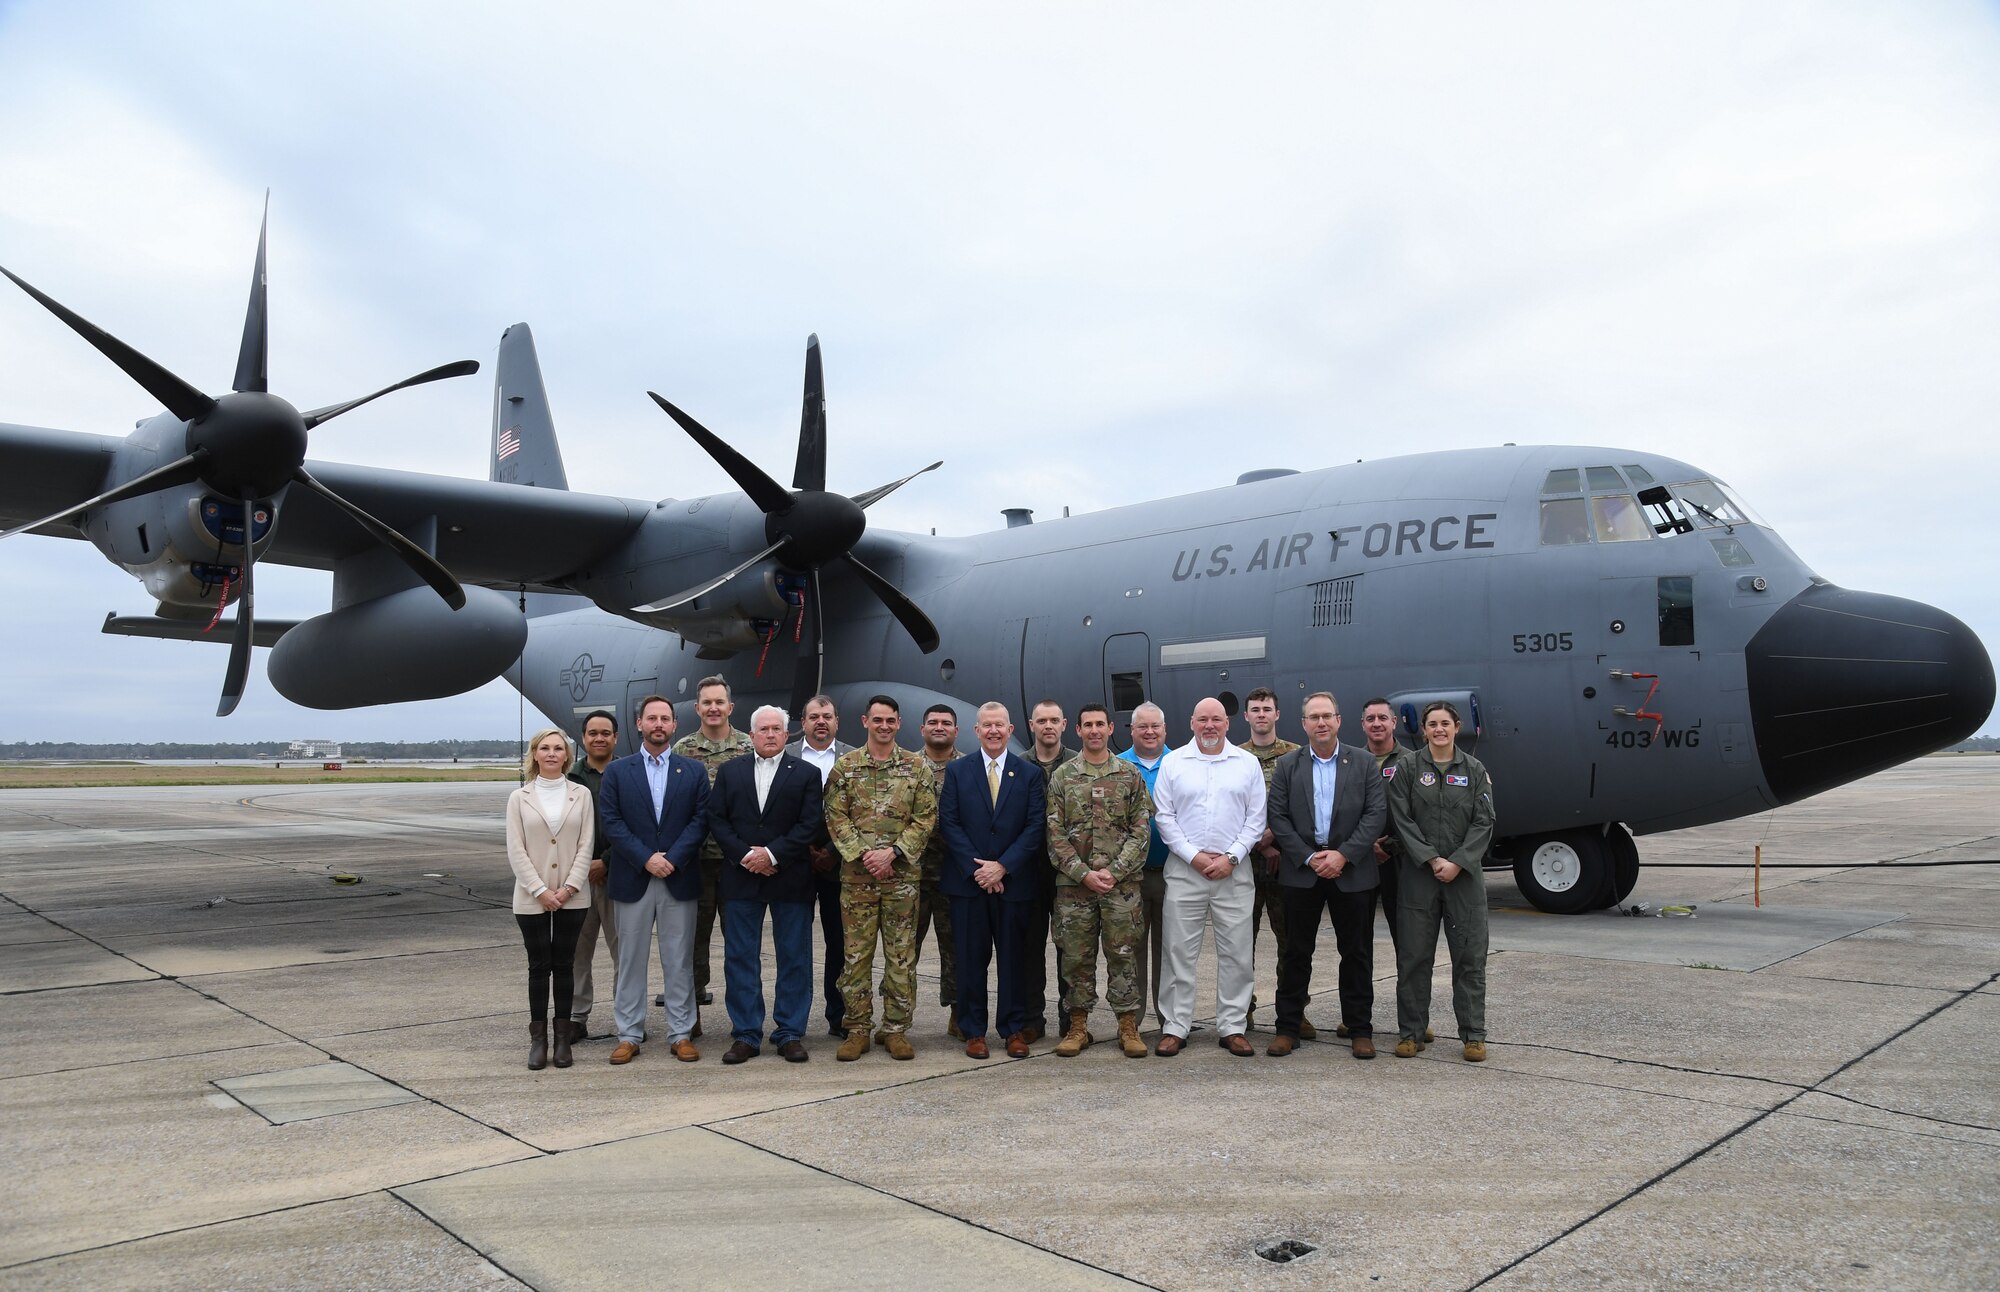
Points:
(1844, 683)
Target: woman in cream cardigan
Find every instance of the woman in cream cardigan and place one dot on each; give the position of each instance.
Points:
(551, 831)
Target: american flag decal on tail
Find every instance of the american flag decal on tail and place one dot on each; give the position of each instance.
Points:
(510, 444)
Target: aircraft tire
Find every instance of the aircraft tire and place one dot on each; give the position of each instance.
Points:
(1563, 873)
(1622, 875)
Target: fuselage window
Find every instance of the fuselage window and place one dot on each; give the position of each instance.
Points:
(1605, 478)
(1677, 610)
(1128, 692)
(1566, 480)
(1618, 519)
(1564, 521)
(1732, 553)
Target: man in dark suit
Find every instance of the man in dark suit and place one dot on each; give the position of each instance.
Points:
(1326, 810)
(764, 813)
(817, 747)
(993, 811)
(653, 811)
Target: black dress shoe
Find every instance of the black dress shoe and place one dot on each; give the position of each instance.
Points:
(704, 997)
(740, 1052)
(660, 999)
(793, 1051)
(836, 1030)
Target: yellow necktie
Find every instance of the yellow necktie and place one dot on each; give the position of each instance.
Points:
(993, 783)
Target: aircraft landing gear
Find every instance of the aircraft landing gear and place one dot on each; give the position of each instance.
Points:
(1622, 876)
(1565, 872)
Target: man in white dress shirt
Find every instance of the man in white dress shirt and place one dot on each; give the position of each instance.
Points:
(1209, 805)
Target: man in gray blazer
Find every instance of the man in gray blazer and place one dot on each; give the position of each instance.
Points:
(1326, 810)
(816, 745)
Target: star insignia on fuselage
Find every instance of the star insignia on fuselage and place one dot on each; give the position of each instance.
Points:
(581, 673)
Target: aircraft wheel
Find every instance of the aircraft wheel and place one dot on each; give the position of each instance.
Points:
(1562, 873)
(1622, 874)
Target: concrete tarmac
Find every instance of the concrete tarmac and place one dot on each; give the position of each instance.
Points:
(222, 1066)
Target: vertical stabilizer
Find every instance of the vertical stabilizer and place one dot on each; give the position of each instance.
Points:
(524, 433)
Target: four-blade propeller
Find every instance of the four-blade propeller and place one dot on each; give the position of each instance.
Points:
(806, 528)
(244, 446)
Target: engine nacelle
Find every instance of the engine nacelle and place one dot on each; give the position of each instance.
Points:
(407, 645)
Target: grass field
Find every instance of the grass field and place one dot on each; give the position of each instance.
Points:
(50, 776)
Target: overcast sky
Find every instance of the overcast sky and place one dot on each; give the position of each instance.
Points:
(1089, 255)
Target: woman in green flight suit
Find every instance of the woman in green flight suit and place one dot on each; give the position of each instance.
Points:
(1441, 807)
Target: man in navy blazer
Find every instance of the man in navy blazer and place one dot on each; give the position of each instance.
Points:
(1326, 810)
(993, 812)
(764, 812)
(653, 810)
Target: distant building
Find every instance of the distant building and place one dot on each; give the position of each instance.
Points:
(313, 749)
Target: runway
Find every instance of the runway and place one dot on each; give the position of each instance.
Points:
(222, 1066)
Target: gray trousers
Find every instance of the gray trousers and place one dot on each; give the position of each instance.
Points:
(1224, 904)
(599, 918)
(1421, 904)
(656, 915)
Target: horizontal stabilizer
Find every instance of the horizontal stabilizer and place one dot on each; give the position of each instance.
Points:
(266, 633)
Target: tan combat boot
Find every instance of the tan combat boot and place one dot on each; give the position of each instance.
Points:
(1128, 1036)
(1078, 1038)
(854, 1046)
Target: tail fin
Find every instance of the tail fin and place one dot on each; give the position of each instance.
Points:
(524, 434)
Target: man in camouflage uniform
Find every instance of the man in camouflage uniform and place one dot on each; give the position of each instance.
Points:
(1260, 709)
(1047, 722)
(940, 733)
(1100, 827)
(881, 807)
(714, 744)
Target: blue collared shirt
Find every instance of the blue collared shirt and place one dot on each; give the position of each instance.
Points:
(1156, 847)
(656, 778)
(1325, 772)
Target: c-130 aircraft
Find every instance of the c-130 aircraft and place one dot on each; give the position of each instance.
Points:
(1632, 648)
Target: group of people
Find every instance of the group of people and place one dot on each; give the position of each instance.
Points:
(1131, 854)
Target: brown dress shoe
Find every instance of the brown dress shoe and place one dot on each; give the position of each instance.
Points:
(1364, 1047)
(739, 1052)
(975, 1048)
(624, 1052)
(1281, 1045)
(1017, 1046)
(1239, 1045)
(1168, 1045)
(1032, 1034)
(684, 1050)
(794, 1051)
(898, 1045)
(1307, 1031)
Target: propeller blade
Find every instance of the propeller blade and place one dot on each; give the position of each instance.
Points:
(770, 496)
(238, 674)
(252, 360)
(683, 597)
(179, 398)
(463, 368)
(811, 666)
(179, 472)
(914, 620)
(810, 473)
(879, 492)
(421, 563)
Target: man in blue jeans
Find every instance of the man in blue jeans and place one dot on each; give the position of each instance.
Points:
(764, 814)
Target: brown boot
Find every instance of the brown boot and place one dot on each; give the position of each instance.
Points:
(1128, 1035)
(559, 1044)
(854, 1046)
(538, 1045)
(1078, 1038)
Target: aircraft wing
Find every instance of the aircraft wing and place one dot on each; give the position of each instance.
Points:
(487, 532)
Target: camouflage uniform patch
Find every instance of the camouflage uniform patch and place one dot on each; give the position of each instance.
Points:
(871, 804)
(1100, 818)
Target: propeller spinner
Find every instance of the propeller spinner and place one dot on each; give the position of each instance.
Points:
(244, 445)
(807, 529)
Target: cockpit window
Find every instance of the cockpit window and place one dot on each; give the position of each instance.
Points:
(1691, 505)
(1638, 474)
(1732, 553)
(1618, 519)
(1566, 480)
(1564, 521)
(1710, 506)
(1605, 478)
